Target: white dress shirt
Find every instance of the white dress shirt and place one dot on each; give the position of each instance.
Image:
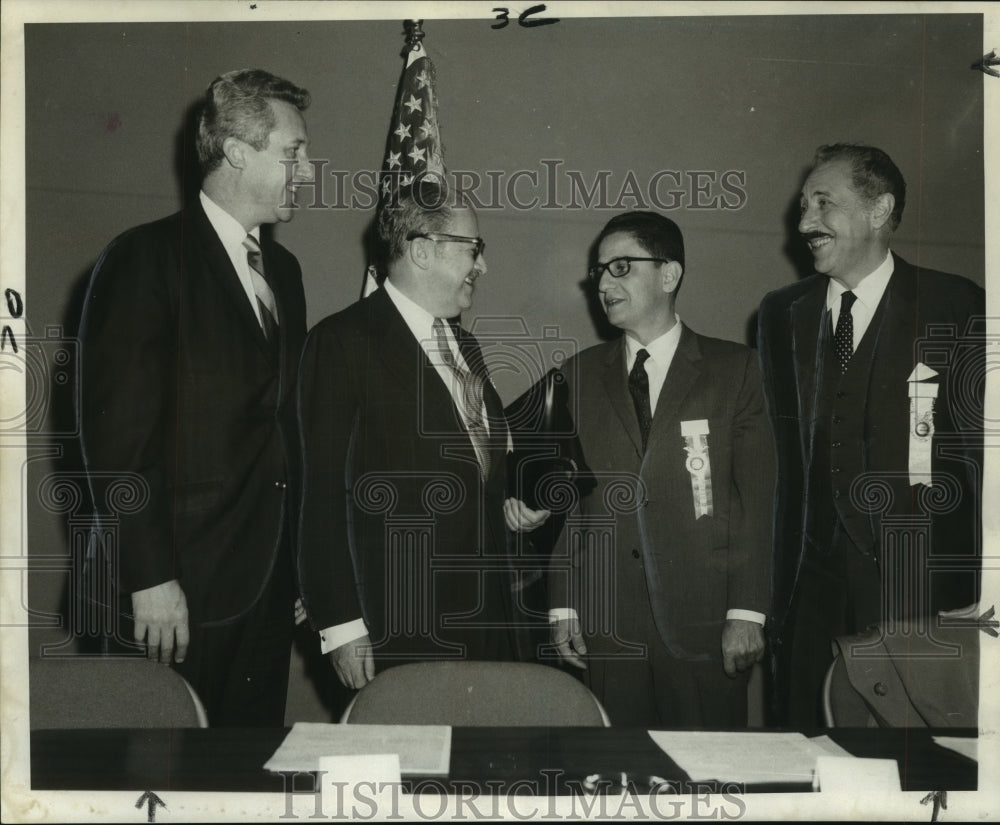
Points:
(232, 234)
(661, 355)
(869, 292)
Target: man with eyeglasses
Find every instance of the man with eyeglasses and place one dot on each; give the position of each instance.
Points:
(660, 579)
(403, 552)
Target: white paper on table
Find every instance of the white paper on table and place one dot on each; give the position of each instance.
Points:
(744, 757)
(424, 750)
(852, 776)
(967, 746)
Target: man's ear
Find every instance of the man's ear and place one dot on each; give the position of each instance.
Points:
(420, 252)
(882, 210)
(234, 150)
(672, 276)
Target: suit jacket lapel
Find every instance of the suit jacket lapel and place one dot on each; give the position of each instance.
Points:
(216, 261)
(896, 334)
(616, 387)
(808, 314)
(681, 377)
(399, 351)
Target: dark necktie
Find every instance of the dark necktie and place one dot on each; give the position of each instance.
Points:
(469, 394)
(265, 296)
(638, 385)
(843, 337)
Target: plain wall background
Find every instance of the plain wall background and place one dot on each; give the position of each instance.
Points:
(105, 109)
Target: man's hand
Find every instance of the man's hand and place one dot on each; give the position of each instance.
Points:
(520, 518)
(354, 663)
(566, 636)
(742, 645)
(161, 619)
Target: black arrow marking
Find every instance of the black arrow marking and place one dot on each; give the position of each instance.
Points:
(988, 60)
(152, 800)
(940, 800)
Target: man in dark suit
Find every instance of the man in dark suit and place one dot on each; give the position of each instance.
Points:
(873, 374)
(660, 581)
(191, 334)
(403, 553)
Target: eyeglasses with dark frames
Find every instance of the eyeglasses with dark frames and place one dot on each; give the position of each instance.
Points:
(618, 267)
(444, 237)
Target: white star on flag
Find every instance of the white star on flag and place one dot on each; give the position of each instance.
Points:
(403, 130)
(394, 159)
(413, 104)
(417, 154)
(423, 79)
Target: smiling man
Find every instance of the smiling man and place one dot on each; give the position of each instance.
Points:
(403, 551)
(873, 370)
(660, 580)
(190, 339)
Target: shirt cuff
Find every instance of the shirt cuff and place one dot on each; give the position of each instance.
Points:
(331, 638)
(746, 615)
(557, 613)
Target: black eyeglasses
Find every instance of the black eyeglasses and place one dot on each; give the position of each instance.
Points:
(444, 237)
(618, 267)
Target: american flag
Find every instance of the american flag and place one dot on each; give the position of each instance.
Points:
(413, 146)
(414, 142)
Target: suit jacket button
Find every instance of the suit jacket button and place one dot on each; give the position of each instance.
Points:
(835, 444)
(835, 470)
(280, 484)
(880, 689)
(635, 553)
(836, 493)
(837, 419)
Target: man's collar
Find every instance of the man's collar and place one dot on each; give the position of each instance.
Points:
(229, 230)
(869, 290)
(418, 319)
(658, 348)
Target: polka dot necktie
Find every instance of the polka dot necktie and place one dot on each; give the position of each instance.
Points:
(843, 337)
(638, 386)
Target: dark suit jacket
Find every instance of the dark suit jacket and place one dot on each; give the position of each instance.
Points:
(397, 526)
(181, 391)
(925, 318)
(696, 568)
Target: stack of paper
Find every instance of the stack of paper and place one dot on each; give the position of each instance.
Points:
(424, 750)
(744, 757)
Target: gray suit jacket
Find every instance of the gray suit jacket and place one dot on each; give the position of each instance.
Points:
(696, 568)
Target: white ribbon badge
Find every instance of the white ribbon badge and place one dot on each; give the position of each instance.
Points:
(921, 424)
(695, 435)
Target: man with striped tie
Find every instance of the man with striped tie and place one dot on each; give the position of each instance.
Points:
(403, 551)
(191, 334)
(873, 371)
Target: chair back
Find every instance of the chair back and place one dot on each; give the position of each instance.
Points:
(467, 694)
(106, 692)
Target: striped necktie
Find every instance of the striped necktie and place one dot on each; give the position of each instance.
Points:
(469, 394)
(265, 296)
